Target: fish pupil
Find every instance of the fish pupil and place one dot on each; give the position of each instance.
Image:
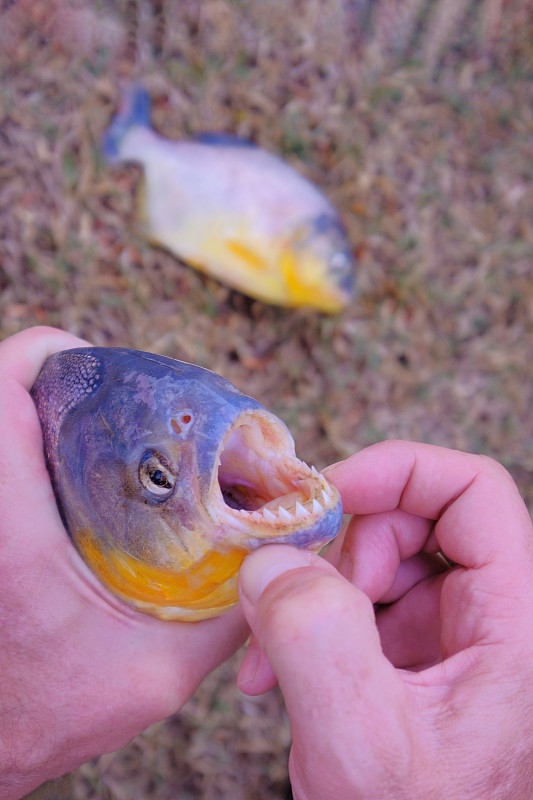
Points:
(160, 479)
(155, 474)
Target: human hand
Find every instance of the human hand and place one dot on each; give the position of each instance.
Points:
(430, 694)
(80, 672)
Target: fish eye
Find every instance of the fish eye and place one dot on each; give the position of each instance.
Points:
(155, 475)
(339, 261)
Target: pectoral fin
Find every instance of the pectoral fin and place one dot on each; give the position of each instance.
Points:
(246, 254)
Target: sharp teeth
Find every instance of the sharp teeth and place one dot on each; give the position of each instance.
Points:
(300, 510)
(268, 515)
(284, 515)
(314, 473)
(277, 486)
(256, 516)
(316, 506)
(326, 496)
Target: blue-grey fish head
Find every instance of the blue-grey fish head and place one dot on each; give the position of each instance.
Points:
(319, 265)
(166, 476)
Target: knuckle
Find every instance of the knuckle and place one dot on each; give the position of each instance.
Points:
(494, 470)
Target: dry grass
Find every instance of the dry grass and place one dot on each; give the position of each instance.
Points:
(416, 119)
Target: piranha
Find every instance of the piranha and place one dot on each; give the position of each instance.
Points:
(235, 211)
(166, 476)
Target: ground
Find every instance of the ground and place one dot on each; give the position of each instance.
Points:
(416, 119)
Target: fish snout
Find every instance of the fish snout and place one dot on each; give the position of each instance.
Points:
(323, 283)
(263, 493)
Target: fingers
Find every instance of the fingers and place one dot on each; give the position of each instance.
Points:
(22, 355)
(24, 483)
(319, 635)
(467, 506)
(283, 609)
(379, 550)
(256, 676)
(472, 499)
(411, 572)
(374, 546)
(410, 628)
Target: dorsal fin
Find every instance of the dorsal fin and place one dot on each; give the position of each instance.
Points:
(223, 140)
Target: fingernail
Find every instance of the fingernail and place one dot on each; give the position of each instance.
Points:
(267, 563)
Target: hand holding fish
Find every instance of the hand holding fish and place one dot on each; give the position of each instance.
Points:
(428, 693)
(82, 673)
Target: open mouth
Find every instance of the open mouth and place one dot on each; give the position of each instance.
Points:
(262, 481)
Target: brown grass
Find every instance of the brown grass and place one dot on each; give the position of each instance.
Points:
(416, 118)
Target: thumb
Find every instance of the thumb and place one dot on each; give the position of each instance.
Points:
(319, 635)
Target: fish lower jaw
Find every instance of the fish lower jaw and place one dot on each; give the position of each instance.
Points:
(283, 515)
(292, 507)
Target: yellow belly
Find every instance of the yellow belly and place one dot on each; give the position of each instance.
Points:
(207, 585)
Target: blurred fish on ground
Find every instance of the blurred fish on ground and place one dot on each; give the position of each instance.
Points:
(235, 211)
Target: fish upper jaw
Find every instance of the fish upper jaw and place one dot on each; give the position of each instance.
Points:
(261, 492)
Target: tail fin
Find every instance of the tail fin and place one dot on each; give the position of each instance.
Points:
(134, 110)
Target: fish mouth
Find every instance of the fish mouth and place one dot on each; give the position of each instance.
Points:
(263, 492)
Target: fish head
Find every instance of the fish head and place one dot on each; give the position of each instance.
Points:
(166, 476)
(318, 265)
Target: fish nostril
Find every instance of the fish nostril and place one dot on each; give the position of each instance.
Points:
(183, 421)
